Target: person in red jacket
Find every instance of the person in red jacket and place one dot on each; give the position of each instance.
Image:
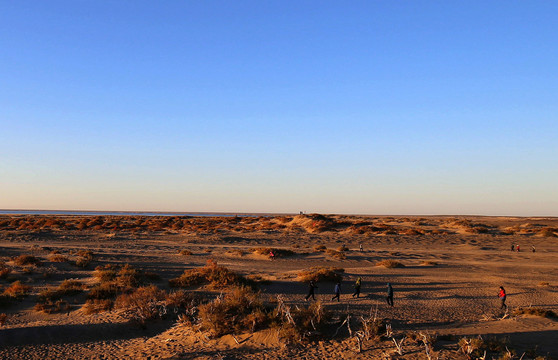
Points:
(502, 297)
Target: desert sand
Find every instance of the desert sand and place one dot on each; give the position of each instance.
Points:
(446, 287)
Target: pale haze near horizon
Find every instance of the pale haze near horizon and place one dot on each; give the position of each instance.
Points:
(372, 107)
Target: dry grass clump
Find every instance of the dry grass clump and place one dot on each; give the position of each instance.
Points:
(185, 252)
(143, 304)
(477, 347)
(342, 248)
(321, 274)
(300, 323)
(547, 232)
(94, 306)
(336, 254)
(57, 258)
(17, 290)
(3, 318)
(320, 248)
(535, 311)
(428, 263)
(4, 270)
(212, 275)
(50, 300)
(240, 310)
(390, 264)
(25, 260)
(278, 252)
(113, 281)
(544, 284)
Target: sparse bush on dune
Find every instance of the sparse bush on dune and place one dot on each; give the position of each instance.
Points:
(17, 290)
(342, 248)
(278, 252)
(317, 274)
(185, 252)
(212, 275)
(24, 260)
(336, 254)
(237, 311)
(547, 232)
(93, 306)
(535, 311)
(320, 248)
(428, 263)
(57, 258)
(143, 304)
(3, 318)
(390, 264)
(4, 270)
(411, 231)
(300, 323)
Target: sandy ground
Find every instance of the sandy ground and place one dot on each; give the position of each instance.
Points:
(448, 286)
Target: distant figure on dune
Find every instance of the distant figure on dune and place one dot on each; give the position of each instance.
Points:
(360, 247)
(357, 287)
(533, 248)
(311, 288)
(513, 247)
(337, 292)
(517, 248)
(389, 297)
(272, 255)
(502, 297)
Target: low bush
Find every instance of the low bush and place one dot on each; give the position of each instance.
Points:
(17, 290)
(52, 306)
(321, 274)
(278, 252)
(93, 306)
(3, 318)
(390, 264)
(336, 254)
(212, 275)
(342, 248)
(4, 270)
(535, 311)
(320, 248)
(57, 258)
(237, 311)
(185, 252)
(143, 304)
(24, 260)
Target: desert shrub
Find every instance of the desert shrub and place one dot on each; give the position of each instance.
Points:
(24, 260)
(320, 248)
(4, 270)
(278, 252)
(547, 232)
(82, 262)
(429, 263)
(213, 275)
(143, 304)
(17, 290)
(412, 232)
(3, 318)
(88, 254)
(106, 290)
(342, 248)
(49, 306)
(93, 306)
(321, 274)
(237, 311)
(300, 323)
(390, 264)
(336, 254)
(185, 252)
(57, 258)
(66, 288)
(535, 311)
(544, 284)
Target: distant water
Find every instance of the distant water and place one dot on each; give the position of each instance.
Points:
(116, 213)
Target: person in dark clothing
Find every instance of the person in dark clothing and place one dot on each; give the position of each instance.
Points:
(513, 247)
(311, 288)
(502, 297)
(533, 248)
(357, 287)
(389, 297)
(337, 292)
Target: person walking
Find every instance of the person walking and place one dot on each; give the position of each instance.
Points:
(517, 248)
(533, 248)
(357, 287)
(502, 297)
(311, 288)
(337, 292)
(360, 247)
(513, 247)
(389, 297)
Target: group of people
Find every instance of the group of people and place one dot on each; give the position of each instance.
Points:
(389, 296)
(337, 291)
(515, 247)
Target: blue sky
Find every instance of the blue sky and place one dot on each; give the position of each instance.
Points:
(376, 107)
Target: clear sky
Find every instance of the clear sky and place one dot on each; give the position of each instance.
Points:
(376, 107)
